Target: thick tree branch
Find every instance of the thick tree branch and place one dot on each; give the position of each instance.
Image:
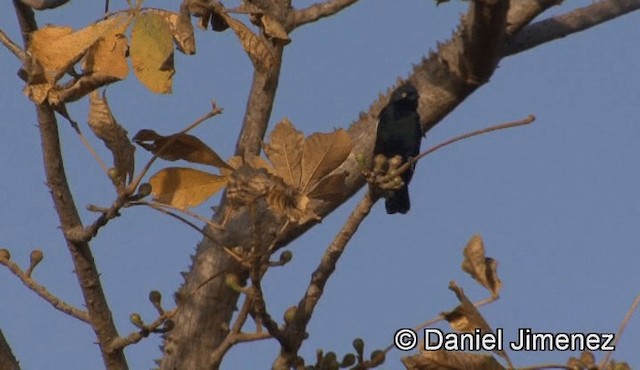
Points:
(85, 267)
(259, 106)
(522, 12)
(7, 360)
(40, 290)
(317, 11)
(569, 23)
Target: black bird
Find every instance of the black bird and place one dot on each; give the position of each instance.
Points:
(399, 133)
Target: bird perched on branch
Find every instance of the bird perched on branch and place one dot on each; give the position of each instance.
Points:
(399, 133)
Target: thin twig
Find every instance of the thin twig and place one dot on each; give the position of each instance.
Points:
(87, 145)
(623, 325)
(40, 290)
(13, 47)
(502, 126)
(137, 336)
(213, 112)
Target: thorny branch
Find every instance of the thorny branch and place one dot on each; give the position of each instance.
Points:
(40, 290)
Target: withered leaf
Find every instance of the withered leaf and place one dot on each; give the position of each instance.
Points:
(274, 29)
(248, 184)
(482, 269)
(59, 48)
(108, 56)
(179, 146)
(284, 150)
(259, 51)
(330, 188)
(106, 128)
(322, 154)
(152, 52)
(184, 187)
(252, 160)
(442, 359)
(466, 317)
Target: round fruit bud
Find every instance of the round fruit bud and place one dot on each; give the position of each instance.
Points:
(285, 257)
(379, 162)
(156, 298)
(377, 356)
(348, 360)
(144, 189)
(4, 254)
(112, 173)
(290, 314)
(233, 282)
(35, 258)
(360, 159)
(136, 320)
(358, 345)
(395, 162)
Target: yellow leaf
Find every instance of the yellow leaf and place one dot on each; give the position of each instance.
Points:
(259, 52)
(184, 187)
(284, 150)
(152, 52)
(59, 48)
(322, 154)
(108, 56)
(179, 146)
(181, 28)
(114, 136)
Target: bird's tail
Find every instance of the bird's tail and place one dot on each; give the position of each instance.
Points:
(398, 201)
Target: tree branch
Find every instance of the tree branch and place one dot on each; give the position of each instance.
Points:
(522, 12)
(7, 360)
(84, 264)
(317, 11)
(12, 47)
(40, 290)
(568, 23)
(294, 331)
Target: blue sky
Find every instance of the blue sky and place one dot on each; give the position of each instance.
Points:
(557, 202)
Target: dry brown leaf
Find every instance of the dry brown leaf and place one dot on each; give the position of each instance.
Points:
(274, 29)
(38, 93)
(152, 52)
(108, 56)
(466, 318)
(252, 160)
(248, 184)
(59, 48)
(180, 146)
(322, 154)
(284, 150)
(441, 359)
(259, 51)
(482, 269)
(114, 136)
(330, 188)
(184, 187)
